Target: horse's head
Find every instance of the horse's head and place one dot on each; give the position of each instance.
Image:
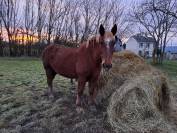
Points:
(107, 41)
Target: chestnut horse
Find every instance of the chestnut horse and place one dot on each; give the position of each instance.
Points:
(83, 63)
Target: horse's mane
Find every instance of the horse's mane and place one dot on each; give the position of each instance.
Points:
(92, 41)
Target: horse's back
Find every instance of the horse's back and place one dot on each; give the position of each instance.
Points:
(52, 51)
(61, 59)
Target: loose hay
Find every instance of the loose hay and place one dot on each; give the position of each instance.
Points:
(138, 95)
(125, 66)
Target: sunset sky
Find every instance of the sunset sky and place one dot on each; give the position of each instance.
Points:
(127, 3)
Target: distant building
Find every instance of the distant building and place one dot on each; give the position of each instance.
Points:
(171, 52)
(141, 45)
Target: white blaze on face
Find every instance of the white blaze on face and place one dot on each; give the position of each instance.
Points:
(107, 44)
(107, 41)
(103, 61)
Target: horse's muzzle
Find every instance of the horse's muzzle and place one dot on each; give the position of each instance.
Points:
(107, 66)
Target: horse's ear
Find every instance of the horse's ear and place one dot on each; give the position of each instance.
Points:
(114, 29)
(102, 30)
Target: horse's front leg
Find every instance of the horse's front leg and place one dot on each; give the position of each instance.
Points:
(92, 91)
(71, 81)
(80, 89)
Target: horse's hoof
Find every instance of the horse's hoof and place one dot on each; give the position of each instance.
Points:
(45, 93)
(92, 108)
(80, 110)
(51, 97)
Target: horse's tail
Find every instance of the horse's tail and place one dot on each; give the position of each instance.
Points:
(43, 58)
(45, 54)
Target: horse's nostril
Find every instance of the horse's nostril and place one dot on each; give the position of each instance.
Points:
(104, 65)
(107, 66)
(110, 66)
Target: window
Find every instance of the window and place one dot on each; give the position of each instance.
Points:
(147, 54)
(141, 45)
(124, 46)
(140, 53)
(148, 45)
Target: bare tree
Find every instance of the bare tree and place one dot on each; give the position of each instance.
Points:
(1, 26)
(88, 16)
(108, 12)
(76, 25)
(157, 24)
(41, 17)
(8, 14)
(29, 18)
(1, 38)
(57, 10)
(29, 26)
(70, 20)
(66, 26)
(73, 19)
(160, 6)
(119, 17)
(51, 17)
(62, 13)
(99, 13)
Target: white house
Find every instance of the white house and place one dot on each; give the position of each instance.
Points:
(141, 45)
(171, 52)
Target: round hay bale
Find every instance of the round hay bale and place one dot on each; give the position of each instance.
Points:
(137, 105)
(137, 95)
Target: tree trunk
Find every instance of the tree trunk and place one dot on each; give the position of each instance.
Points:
(1, 48)
(10, 46)
(48, 40)
(154, 56)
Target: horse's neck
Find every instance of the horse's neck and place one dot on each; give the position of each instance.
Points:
(93, 50)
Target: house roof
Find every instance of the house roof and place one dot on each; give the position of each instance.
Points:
(171, 49)
(140, 38)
